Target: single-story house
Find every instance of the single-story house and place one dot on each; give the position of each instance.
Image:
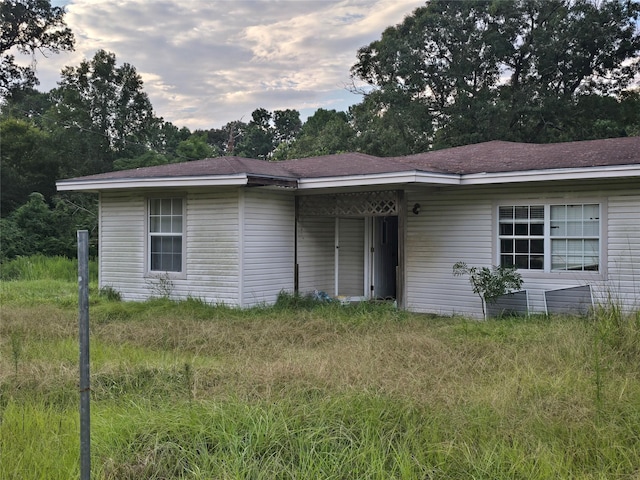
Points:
(238, 231)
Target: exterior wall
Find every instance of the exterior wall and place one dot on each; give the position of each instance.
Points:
(316, 253)
(240, 245)
(624, 250)
(268, 227)
(122, 244)
(450, 227)
(212, 247)
(458, 224)
(351, 257)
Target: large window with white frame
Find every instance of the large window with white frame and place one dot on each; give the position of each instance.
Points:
(165, 242)
(550, 237)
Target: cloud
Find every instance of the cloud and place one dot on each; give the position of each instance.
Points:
(205, 63)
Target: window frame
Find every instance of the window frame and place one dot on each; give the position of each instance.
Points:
(547, 203)
(149, 235)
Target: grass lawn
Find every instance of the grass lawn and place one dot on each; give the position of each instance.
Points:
(188, 390)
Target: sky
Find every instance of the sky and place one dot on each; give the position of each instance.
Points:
(205, 63)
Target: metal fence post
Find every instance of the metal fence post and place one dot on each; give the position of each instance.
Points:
(83, 324)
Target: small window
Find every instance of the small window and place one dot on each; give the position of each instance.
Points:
(165, 234)
(573, 237)
(522, 236)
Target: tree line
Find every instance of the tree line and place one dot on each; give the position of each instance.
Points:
(452, 73)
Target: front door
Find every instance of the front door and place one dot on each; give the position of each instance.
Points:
(366, 257)
(385, 257)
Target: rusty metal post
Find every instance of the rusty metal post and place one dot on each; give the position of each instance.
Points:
(83, 325)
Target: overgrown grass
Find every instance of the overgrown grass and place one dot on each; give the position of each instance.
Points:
(314, 390)
(39, 267)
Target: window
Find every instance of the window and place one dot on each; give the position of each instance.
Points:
(550, 237)
(575, 237)
(522, 236)
(165, 234)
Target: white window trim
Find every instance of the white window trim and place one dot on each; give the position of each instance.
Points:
(147, 242)
(546, 272)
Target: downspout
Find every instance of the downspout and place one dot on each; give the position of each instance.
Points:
(241, 207)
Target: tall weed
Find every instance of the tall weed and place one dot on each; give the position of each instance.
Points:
(38, 441)
(618, 330)
(40, 267)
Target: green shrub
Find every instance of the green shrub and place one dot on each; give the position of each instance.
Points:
(489, 283)
(110, 293)
(39, 228)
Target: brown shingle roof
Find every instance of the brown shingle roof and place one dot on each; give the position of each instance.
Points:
(489, 157)
(198, 168)
(342, 164)
(498, 156)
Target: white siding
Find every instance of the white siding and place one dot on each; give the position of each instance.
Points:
(211, 233)
(457, 224)
(268, 245)
(213, 271)
(122, 241)
(450, 227)
(316, 252)
(351, 257)
(624, 251)
(240, 245)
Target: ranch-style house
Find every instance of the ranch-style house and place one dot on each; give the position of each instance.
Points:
(239, 231)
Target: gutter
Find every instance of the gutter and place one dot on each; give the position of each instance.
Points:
(152, 182)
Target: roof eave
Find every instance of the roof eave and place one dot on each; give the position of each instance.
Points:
(584, 173)
(152, 182)
(386, 178)
(389, 178)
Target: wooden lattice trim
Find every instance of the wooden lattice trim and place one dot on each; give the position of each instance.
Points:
(362, 204)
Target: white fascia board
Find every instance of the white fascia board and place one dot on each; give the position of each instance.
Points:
(379, 179)
(587, 173)
(156, 182)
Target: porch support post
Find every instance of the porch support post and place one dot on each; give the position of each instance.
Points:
(296, 273)
(402, 233)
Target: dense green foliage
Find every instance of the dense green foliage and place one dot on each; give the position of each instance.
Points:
(452, 73)
(38, 228)
(190, 390)
(518, 70)
(27, 163)
(29, 26)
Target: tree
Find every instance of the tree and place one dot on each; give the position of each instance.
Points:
(28, 164)
(224, 140)
(36, 228)
(104, 113)
(262, 135)
(286, 125)
(29, 26)
(164, 138)
(325, 132)
(509, 69)
(148, 159)
(258, 138)
(27, 104)
(194, 148)
(390, 123)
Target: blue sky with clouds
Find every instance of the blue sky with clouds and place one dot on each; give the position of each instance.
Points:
(205, 63)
